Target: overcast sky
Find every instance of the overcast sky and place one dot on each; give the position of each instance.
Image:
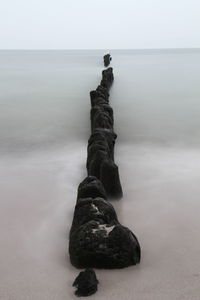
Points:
(99, 24)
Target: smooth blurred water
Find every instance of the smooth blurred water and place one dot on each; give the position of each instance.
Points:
(44, 127)
(44, 96)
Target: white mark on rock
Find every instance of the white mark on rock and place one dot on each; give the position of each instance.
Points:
(97, 212)
(104, 227)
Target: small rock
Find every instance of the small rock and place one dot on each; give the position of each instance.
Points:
(86, 283)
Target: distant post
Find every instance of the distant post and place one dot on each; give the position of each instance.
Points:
(107, 58)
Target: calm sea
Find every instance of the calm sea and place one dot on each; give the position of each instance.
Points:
(44, 96)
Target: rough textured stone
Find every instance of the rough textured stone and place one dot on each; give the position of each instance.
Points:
(102, 245)
(113, 187)
(91, 187)
(86, 283)
(101, 119)
(103, 91)
(102, 110)
(93, 149)
(95, 209)
(94, 164)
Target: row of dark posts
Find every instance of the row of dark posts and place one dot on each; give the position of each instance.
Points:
(97, 239)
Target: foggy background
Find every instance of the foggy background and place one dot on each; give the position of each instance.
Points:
(99, 24)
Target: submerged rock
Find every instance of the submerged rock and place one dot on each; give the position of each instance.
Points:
(86, 283)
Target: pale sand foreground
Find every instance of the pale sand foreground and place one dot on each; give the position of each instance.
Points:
(161, 205)
(161, 183)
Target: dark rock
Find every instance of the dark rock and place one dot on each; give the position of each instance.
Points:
(103, 135)
(107, 58)
(105, 83)
(100, 148)
(101, 119)
(91, 187)
(107, 246)
(109, 176)
(99, 164)
(107, 135)
(107, 108)
(86, 283)
(94, 165)
(98, 94)
(94, 148)
(107, 78)
(98, 101)
(95, 209)
(95, 109)
(103, 91)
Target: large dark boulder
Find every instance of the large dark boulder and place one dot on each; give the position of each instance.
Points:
(107, 246)
(86, 283)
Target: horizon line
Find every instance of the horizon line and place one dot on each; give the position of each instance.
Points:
(96, 49)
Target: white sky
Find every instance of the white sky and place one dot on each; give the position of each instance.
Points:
(99, 24)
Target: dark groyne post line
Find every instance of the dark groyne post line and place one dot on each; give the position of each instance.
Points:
(97, 239)
(100, 161)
